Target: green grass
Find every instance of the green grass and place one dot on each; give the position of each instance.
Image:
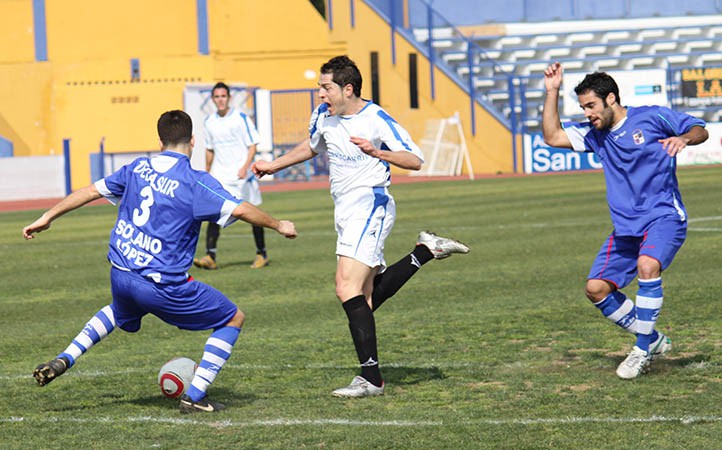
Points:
(496, 349)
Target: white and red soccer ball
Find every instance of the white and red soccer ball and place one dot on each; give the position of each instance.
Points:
(175, 376)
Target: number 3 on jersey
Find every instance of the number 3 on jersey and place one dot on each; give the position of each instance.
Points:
(141, 214)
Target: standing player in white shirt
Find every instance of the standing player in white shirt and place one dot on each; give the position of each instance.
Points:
(362, 142)
(231, 140)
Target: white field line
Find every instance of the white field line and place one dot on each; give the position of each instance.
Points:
(704, 219)
(289, 422)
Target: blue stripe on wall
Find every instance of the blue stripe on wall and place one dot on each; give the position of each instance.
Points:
(202, 13)
(41, 37)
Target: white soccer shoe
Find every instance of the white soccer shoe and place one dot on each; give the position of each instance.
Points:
(440, 247)
(359, 387)
(635, 364)
(662, 345)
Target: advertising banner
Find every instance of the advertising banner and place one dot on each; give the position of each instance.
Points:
(708, 152)
(540, 158)
(702, 87)
(636, 88)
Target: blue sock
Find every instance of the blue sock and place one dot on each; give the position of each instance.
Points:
(97, 328)
(217, 351)
(620, 310)
(649, 302)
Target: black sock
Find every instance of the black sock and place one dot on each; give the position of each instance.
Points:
(386, 284)
(212, 234)
(259, 237)
(363, 331)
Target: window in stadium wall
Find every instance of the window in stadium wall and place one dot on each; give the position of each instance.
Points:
(375, 89)
(413, 82)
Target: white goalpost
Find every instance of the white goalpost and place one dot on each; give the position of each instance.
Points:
(444, 148)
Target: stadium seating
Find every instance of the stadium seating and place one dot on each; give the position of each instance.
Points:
(521, 58)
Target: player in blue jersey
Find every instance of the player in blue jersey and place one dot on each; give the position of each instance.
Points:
(362, 141)
(637, 148)
(162, 204)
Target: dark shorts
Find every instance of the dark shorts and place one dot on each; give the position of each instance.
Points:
(616, 261)
(189, 306)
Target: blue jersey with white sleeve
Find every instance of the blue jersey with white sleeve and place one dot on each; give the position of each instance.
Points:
(162, 204)
(640, 176)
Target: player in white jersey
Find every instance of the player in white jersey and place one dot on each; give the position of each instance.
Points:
(151, 248)
(637, 147)
(362, 142)
(231, 140)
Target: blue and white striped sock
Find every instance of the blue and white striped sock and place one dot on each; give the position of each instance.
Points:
(217, 351)
(620, 310)
(97, 328)
(649, 303)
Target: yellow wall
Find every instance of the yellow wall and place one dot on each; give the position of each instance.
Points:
(269, 44)
(16, 31)
(80, 30)
(84, 91)
(25, 107)
(490, 149)
(123, 112)
(250, 26)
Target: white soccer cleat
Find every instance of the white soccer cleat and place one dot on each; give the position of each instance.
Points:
(359, 387)
(635, 364)
(662, 345)
(440, 247)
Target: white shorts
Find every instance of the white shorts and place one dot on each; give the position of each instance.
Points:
(248, 189)
(364, 218)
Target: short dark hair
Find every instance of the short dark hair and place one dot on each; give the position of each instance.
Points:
(601, 84)
(344, 72)
(175, 128)
(221, 85)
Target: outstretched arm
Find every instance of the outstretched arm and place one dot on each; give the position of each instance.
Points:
(301, 152)
(675, 144)
(554, 134)
(69, 203)
(404, 160)
(256, 216)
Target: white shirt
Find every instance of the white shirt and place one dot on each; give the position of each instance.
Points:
(349, 167)
(229, 137)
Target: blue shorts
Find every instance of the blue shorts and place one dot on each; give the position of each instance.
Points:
(191, 305)
(617, 259)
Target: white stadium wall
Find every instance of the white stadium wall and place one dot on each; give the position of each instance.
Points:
(32, 177)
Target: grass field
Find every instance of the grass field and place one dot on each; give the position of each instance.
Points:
(496, 349)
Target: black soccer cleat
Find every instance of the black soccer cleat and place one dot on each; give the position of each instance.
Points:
(45, 373)
(188, 406)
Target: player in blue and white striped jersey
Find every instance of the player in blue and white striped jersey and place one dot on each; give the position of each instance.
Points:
(362, 142)
(637, 149)
(162, 204)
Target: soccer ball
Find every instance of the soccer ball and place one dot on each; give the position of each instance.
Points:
(175, 376)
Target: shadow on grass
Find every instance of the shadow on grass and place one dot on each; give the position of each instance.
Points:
(243, 263)
(411, 375)
(684, 361)
(668, 360)
(227, 397)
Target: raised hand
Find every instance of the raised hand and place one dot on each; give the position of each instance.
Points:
(553, 76)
